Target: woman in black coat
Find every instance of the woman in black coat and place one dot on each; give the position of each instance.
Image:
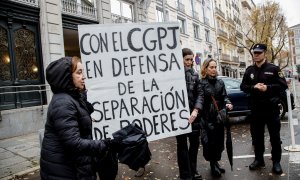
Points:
(68, 150)
(212, 130)
(188, 144)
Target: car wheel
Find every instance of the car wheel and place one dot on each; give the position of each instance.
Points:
(282, 109)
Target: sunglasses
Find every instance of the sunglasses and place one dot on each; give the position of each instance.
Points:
(257, 52)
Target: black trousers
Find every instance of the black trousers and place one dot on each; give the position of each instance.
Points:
(261, 117)
(214, 146)
(187, 155)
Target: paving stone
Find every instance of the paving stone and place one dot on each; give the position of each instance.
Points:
(10, 170)
(20, 147)
(2, 150)
(6, 154)
(30, 153)
(11, 161)
(8, 143)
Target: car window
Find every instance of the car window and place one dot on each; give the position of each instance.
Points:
(232, 84)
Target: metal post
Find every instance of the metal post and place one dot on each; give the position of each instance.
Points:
(219, 59)
(293, 147)
(295, 92)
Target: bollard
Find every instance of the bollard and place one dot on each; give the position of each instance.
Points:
(295, 93)
(41, 136)
(293, 147)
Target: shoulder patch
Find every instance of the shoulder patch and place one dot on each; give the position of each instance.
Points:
(280, 74)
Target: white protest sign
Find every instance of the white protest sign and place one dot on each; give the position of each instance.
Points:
(135, 73)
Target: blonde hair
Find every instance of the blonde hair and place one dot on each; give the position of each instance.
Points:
(205, 66)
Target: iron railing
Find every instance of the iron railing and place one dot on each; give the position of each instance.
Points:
(34, 3)
(17, 91)
(120, 19)
(76, 9)
(222, 33)
(180, 7)
(220, 13)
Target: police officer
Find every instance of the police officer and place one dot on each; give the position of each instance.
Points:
(264, 81)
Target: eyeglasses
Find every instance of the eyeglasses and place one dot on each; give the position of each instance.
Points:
(257, 52)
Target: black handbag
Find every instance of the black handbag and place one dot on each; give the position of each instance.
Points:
(222, 116)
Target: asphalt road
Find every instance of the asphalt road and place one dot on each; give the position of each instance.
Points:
(164, 161)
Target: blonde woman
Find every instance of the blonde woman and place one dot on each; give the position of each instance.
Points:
(212, 130)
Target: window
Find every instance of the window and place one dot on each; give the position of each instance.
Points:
(231, 84)
(207, 38)
(20, 65)
(121, 12)
(297, 41)
(159, 15)
(196, 31)
(182, 25)
(193, 5)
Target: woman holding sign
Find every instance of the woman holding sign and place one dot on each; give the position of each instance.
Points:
(187, 155)
(212, 136)
(68, 150)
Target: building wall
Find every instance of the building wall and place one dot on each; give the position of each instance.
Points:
(25, 120)
(17, 122)
(197, 45)
(295, 44)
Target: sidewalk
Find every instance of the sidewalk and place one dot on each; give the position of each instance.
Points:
(20, 155)
(294, 158)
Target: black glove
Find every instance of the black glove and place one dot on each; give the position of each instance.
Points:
(113, 144)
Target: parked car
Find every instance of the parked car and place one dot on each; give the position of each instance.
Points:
(240, 101)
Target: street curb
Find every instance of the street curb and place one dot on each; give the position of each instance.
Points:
(21, 174)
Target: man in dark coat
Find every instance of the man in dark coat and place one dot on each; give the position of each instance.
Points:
(187, 156)
(264, 82)
(68, 150)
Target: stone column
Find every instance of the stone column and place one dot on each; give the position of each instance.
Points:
(51, 33)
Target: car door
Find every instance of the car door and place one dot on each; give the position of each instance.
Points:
(238, 98)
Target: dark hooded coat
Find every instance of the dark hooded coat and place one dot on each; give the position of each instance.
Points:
(195, 94)
(212, 136)
(68, 150)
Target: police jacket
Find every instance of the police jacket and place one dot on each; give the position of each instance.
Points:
(213, 87)
(67, 148)
(270, 75)
(194, 90)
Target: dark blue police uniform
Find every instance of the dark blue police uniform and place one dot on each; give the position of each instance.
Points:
(264, 106)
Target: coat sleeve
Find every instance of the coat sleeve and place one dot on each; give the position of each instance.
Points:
(279, 84)
(224, 94)
(246, 86)
(65, 116)
(199, 95)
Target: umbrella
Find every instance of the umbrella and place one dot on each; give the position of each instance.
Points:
(134, 150)
(229, 148)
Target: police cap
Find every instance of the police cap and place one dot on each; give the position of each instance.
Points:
(259, 47)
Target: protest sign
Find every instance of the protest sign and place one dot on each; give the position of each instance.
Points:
(135, 73)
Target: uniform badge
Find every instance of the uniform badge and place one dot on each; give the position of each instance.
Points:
(252, 76)
(280, 74)
(269, 73)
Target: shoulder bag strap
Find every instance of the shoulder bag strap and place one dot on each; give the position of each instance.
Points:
(215, 102)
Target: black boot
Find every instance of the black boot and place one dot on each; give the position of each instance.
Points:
(214, 169)
(257, 164)
(219, 167)
(197, 176)
(277, 168)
